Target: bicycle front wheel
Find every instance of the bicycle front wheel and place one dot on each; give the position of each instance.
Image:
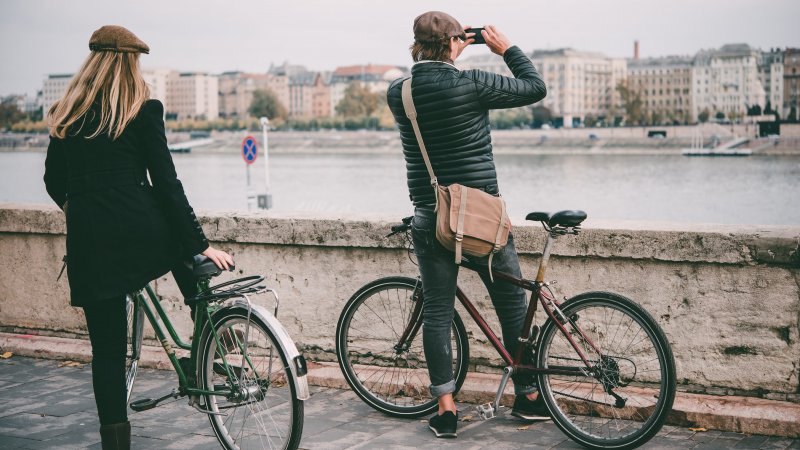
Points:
(260, 408)
(389, 377)
(135, 319)
(622, 400)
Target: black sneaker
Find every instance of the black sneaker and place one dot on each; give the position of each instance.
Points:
(444, 426)
(530, 409)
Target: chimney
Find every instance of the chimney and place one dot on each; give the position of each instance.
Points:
(636, 49)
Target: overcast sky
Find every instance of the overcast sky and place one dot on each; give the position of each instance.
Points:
(38, 37)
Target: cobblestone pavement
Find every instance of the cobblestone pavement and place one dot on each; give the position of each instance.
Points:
(49, 404)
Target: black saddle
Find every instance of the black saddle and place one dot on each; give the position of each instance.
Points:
(567, 218)
(203, 266)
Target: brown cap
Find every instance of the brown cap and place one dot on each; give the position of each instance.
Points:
(114, 38)
(435, 26)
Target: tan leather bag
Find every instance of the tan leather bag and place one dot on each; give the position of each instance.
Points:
(469, 221)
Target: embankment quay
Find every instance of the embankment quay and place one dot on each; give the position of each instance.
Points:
(728, 297)
(625, 140)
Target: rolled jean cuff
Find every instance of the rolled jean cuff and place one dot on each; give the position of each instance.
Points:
(524, 390)
(443, 389)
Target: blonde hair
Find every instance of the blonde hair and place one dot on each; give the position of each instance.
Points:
(111, 78)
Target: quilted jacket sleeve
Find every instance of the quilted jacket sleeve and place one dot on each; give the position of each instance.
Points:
(498, 91)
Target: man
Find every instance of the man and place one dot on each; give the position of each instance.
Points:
(452, 108)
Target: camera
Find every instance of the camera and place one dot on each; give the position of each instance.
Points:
(478, 36)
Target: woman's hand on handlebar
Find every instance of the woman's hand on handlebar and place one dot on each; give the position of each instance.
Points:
(220, 258)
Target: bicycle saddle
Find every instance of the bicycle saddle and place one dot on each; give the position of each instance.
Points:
(568, 218)
(203, 266)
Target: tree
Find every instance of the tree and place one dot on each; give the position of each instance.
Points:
(704, 115)
(358, 101)
(10, 114)
(266, 104)
(590, 120)
(720, 115)
(632, 103)
(768, 108)
(541, 116)
(754, 110)
(792, 114)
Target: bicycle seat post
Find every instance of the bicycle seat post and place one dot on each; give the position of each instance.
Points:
(551, 238)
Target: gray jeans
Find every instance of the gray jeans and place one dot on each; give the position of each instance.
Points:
(439, 274)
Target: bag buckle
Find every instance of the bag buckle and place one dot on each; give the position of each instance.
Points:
(459, 237)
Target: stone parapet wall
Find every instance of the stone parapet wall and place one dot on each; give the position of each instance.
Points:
(728, 297)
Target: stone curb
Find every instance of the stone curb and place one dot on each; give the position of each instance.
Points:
(726, 413)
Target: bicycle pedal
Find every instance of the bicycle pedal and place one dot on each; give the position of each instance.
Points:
(143, 404)
(486, 411)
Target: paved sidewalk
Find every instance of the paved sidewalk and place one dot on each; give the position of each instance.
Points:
(49, 404)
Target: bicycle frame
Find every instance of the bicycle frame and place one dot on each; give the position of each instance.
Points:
(186, 384)
(549, 304)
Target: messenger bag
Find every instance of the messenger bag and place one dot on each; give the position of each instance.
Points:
(468, 220)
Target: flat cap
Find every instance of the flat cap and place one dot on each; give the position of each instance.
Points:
(435, 26)
(114, 38)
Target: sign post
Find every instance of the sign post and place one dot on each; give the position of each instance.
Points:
(249, 154)
(265, 201)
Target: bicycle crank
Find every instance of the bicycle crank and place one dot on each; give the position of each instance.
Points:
(148, 403)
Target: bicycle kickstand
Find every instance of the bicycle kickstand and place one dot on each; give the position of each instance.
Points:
(488, 411)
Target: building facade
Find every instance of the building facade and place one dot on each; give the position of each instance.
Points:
(770, 72)
(53, 88)
(726, 80)
(236, 91)
(375, 77)
(791, 83)
(192, 95)
(580, 84)
(158, 80)
(665, 87)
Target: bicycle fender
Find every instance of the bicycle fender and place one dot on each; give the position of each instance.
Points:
(286, 343)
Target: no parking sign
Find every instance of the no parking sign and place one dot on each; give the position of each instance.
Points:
(249, 150)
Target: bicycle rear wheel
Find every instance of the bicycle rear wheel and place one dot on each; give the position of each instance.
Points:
(392, 380)
(634, 362)
(262, 410)
(133, 347)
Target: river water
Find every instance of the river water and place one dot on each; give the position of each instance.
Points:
(763, 190)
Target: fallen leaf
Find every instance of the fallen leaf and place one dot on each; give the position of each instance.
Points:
(698, 429)
(467, 419)
(6, 355)
(70, 364)
(523, 428)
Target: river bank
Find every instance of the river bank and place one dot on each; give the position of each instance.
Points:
(611, 141)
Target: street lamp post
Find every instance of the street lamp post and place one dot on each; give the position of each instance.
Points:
(265, 201)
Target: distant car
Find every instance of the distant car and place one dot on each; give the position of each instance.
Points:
(546, 127)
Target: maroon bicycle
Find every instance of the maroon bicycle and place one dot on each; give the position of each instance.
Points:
(604, 366)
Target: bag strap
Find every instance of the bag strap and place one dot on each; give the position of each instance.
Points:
(411, 113)
(462, 212)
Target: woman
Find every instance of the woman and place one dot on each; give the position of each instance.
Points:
(452, 107)
(122, 232)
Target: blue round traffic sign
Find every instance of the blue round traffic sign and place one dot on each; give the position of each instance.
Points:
(249, 149)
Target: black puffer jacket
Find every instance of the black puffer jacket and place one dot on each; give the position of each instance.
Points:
(452, 111)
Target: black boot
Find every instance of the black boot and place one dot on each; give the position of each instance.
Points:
(116, 436)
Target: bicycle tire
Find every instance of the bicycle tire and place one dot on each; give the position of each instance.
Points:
(133, 347)
(637, 365)
(406, 393)
(266, 401)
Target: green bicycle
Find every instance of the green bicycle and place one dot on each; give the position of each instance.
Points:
(243, 369)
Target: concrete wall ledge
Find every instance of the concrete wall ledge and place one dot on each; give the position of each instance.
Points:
(661, 241)
(727, 297)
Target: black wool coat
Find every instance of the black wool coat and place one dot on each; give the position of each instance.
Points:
(122, 231)
(453, 114)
